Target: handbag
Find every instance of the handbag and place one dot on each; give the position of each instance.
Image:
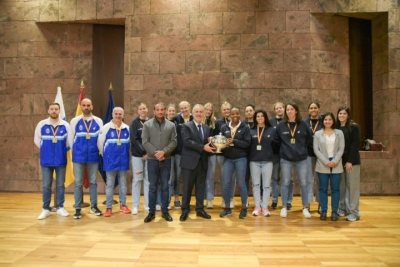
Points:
(372, 145)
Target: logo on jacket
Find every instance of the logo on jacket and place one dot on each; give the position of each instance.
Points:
(112, 135)
(47, 130)
(80, 128)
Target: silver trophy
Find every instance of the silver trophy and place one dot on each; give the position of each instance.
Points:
(219, 142)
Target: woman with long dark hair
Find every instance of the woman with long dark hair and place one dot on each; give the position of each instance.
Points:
(260, 157)
(329, 148)
(294, 137)
(350, 180)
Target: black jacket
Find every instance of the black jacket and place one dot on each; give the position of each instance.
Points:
(179, 121)
(352, 140)
(135, 132)
(311, 124)
(303, 140)
(241, 141)
(266, 153)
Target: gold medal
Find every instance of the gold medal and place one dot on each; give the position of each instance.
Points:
(54, 140)
(293, 141)
(258, 147)
(118, 142)
(88, 136)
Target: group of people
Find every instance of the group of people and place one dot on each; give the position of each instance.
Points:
(172, 147)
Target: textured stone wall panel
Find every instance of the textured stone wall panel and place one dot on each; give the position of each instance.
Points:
(187, 81)
(159, 43)
(213, 6)
(18, 68)
(17, 11)
(202, 61)
(218, 80)
(190, 6)
(279, 5)
(122, 8)
(67, 10)
(206, 23)
(155, 81)
(262, 60)
(192, 43)
(86, 9)
(270, 22)
(239, 22)
(49, 11)
(254, 41)
(56, 68)
(243, 80)
(277, 80)
(133, 82)
(243, 5)
(172, 62)
(177, 24)
(145, 63)
(165, 6)
(142, 6)
(104, 9)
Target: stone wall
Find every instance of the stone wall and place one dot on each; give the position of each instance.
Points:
(243, 51)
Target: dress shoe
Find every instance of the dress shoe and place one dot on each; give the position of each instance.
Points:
(203, 214)
(184, 216)
(334, 216)
(151, 216)
(166, 216)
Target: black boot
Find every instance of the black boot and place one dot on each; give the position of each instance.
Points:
(323, 215)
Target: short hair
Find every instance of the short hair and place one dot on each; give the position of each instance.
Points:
(333, 118)
(298, 115)
(120, 108)
(267, 123)
(159, 103)
(54, 104)
(197, 105)
(250, 105)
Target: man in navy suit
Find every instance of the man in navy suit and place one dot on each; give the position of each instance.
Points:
(194, 162)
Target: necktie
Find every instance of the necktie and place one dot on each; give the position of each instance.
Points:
(200, 132)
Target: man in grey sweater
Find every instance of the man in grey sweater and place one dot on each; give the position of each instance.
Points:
(159, 140)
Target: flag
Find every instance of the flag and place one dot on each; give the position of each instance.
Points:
(78, 113)
(107, 119)
(69, 174)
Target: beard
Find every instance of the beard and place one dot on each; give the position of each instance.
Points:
(86, 112)
(54, 116)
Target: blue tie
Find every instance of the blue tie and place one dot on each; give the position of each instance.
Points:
(200, 132)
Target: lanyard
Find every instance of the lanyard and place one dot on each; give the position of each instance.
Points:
(259, 136)
(315, 128)
(54, 133)
(292, 133)
(88, 128)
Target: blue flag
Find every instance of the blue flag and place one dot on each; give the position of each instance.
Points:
(107, 119)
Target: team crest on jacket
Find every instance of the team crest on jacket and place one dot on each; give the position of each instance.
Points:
(47, 131)
(112, 134)
(80, 128)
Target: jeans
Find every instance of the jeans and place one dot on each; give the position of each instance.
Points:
(139, 171)
(171, 179)
(350, 191)
(261, 170)
(210, 177)
(219, 163)
(111, 176)
(47, 178)
(159, 173)
(324, 179)
(302, 169)
(230, 167)
(79, 169)
(177, 179)
(276, 177)
(312, 161)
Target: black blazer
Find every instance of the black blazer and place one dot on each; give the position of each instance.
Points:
(193, 147)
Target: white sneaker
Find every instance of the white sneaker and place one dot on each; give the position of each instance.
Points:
(232, 205)
(209, 204)
(146, 209)
(135, 210)
(306, 213)
(44, 214)
(158, 207)
(283, 213)
(62, 212)
(169, 207)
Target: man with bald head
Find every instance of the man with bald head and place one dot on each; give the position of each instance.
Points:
(85, 131)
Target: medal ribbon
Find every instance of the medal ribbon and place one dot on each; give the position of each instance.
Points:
(259, 136)
(294, 130)
(54, 132)
(90, 125)
(315, 128)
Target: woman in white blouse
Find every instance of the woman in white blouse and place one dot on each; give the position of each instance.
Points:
(328, 148)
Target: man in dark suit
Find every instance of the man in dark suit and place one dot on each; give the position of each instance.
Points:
(194, 162)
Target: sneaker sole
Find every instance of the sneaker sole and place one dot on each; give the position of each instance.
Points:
(77, 217)
(97, 214)
(225, 215)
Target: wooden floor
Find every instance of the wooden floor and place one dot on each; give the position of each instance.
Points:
(124, 240)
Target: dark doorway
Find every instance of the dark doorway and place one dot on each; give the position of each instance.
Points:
(108, 66)
(360, 41)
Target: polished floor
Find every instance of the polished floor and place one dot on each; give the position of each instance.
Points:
(124, 240)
